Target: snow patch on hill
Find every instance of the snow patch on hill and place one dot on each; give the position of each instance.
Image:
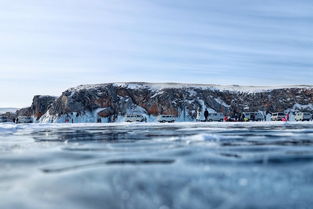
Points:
(160, 86)
(301, 107)
(218, 100)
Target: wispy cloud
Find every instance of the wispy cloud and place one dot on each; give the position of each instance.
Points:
(47, 46)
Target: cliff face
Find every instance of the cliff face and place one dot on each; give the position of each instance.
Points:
(24, 112)
(277, 100)
(39, 106)
(90, 102)
(113, 100)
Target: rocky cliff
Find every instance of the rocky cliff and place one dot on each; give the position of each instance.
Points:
(112, 101)
(40, 106)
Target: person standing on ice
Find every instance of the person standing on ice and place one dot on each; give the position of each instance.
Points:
(206, 114)
(268, 116)
(292, 116)
(241, 117)
(198, 118)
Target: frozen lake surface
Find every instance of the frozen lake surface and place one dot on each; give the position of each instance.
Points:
(156, 166)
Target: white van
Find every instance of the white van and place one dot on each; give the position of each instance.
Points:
(278, 116)
(216, 117)
(253, 116)
(303, 116)
(135, 118)
(24, 119)
(166, 118)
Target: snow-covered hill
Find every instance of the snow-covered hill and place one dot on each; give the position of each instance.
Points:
(158, 86)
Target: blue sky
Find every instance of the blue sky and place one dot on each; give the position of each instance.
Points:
(49, 46)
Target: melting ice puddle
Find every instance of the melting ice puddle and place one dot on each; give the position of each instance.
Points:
(182, 165)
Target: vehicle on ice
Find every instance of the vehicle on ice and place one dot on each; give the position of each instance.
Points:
(135, 118)
(303, 116)
(24, 119)
(253, 116)
(216, 117)
(166, 118)
(231, 119)
(278, 116)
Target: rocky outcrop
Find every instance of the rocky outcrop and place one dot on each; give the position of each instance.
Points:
(10, 116)
(39, 107)
(107, 112)
(116, 99)
(41, 104)
(27, 111)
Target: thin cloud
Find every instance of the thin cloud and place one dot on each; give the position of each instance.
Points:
(48, 46)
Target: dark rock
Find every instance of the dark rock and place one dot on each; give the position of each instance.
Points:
(27, 111)
(107, 112)
(9, 115)
(41, 104)
(38, 108)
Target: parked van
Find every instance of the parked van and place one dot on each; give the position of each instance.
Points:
(216, 117)
(303, 116)
(135, 118)
(166, 119)
(278, 116)
(24, 119)
(253, 116)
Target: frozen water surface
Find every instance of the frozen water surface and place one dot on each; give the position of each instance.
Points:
(161, 166)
